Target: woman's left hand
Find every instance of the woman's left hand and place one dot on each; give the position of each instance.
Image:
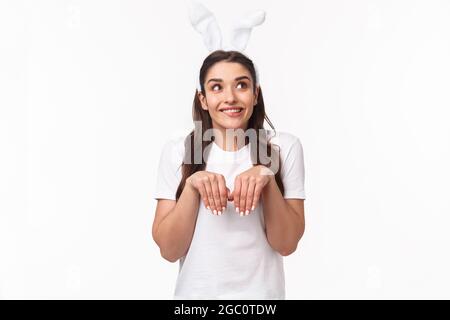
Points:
(248, 187)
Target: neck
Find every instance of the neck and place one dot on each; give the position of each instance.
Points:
(229, 142)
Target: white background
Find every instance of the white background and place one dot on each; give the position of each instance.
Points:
(90, 91)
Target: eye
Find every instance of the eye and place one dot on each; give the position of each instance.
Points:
(239, 83)
(242, 82)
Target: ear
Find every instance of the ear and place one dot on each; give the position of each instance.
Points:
(202, 99)
(256, 95)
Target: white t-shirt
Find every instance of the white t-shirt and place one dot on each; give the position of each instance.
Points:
(229, 256)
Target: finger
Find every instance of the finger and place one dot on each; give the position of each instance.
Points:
(243, 195)
(257, 195)
(223, 191)
(202, 190)
(209, 192)
(216, 196)
(236, 193)
(250, 193)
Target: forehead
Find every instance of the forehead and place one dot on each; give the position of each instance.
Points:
(227, 71)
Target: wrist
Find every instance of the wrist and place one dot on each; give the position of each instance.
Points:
(265, 171)
(271, 180)
(188, 185)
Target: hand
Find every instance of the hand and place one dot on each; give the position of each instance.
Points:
(248, 187)
(212, 189)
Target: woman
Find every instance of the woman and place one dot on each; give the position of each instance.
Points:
(230, 216)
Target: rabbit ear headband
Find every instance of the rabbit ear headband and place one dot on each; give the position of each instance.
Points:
(205, 23)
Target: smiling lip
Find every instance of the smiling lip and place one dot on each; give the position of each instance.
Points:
(232, 114)
(231, 108)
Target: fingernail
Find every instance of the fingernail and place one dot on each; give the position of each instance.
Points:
(246, 212)
(219, 212)
(215, 212)
(241, 213)
(223, 208)
(208, 208)
(237, 210)
(253, 208)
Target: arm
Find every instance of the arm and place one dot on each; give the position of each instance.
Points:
(174, 223)
(284, 219)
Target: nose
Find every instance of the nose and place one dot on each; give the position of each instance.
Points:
(230, 97)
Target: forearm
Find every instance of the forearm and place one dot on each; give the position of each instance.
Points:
(284, 227)
(175, 232)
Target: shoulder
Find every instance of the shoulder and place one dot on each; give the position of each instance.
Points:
(283, 139)
(173, 149)
(291, 156)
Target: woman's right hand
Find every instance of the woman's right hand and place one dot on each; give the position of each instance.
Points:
(212, 189)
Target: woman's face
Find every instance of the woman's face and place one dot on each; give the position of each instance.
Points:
(229, 95)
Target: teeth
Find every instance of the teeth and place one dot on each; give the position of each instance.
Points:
(232, 110)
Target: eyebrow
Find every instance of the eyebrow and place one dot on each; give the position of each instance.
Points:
(237, 79)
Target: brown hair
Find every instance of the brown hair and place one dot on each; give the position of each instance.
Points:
(256, 121)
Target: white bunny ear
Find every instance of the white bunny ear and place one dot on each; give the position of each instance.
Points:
(206, 24)
(243, 28)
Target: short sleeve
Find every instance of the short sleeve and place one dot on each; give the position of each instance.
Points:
(169, 172)
(293, 172)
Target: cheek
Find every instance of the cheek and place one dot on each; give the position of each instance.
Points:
(213, 101)
(246, 97)
(250, 110)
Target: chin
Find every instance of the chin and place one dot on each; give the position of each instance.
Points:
(234, 124)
